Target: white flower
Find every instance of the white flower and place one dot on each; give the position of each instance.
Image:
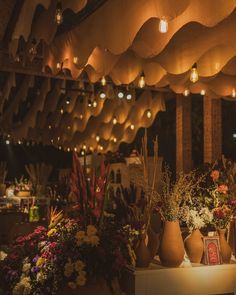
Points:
(206, 215)
(194, 220)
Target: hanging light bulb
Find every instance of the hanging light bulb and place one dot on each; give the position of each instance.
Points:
(163, 25)
(97, 138)
(233, 92)
(58, 14)
(132, 126)
(102, 94)
(82, 153)
(186, 92)
(59, 147)
(149, 114)
(89, 103)
(114, 121)
(103, 81)
(101, 148)
(75, 60)
(203, 92)
(114, 139)
(61, 111)
(120, 94)
(68, 100)
(84, 146)
(141, 82)
(95, 103)
(194, 74)
(75, 149)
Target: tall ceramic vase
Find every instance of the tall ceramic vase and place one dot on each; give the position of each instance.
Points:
(143, 256)
(172, 245)
(224, 246)
(194, 246)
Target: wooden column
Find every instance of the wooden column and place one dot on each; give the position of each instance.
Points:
(183, 134)
(212, 129)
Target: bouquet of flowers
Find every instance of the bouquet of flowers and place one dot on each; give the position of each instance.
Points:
(23, 184)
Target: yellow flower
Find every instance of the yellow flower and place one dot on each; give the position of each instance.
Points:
(91, 230)
(94, 240)
(79, 265)
(40, 261)
(68, 269)
(80, 280)
(80, 235)
(72, 285)
(51, 232)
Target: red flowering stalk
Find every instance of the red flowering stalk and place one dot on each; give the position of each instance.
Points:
(221, 216)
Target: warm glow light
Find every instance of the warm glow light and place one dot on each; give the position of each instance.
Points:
(132, 126)
(61, 111)
(19, 142)
(233, 92)
(75, 149)
(81, 117)
(120, 94)
(75, 59)
(58, 138)
(97, 138)
(58, 14)
(141, 82)
(58, 66)
(68, 127)
(49, 127)
(114, 139)
(163, 25)
(203, 92)
(68, 149)
(114, 121)
(194, 74)
(82, 153)
(7, 141)
(84, 147)
(129, 96)
(100, 147)
(102, 94)
(95, 103)
(51, 140)
(59, 147)
(186, 92)
(149, 114)
(89, 103)
(103, 81)
(68, 100)
(91, 148)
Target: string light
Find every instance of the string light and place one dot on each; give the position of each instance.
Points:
(49, 127)
(141, 82)
(61, 111)
(102, 94)
(163, 25)
(19, 142)
(233, 92)
(114, 139)
(194, 74)
(149, 114)
(186, 92)
(203, 92)
(75, 149)
(132, 126)
(120, 94)
(68, 127)
(68, 149)
(103, 81)
(84, 146)
(59, 147)
(95, 103)
(75, 60)
(81, 117)
(68, 100)
(97, 138)
(7, 141)
(58, 14)
(58, 65)
(82, 153)
(100, 147)
(89, 103)
(114, 121)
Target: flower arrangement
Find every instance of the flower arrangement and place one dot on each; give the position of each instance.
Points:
(23, 184)
(69, 254)
(221, 216)
(196, 218)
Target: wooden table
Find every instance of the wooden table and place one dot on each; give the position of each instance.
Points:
(195, 280)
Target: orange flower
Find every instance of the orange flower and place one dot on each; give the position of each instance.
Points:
(223, 188)
(215, 174)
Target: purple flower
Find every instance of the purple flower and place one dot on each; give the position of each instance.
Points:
(35, 269)
(36, 258)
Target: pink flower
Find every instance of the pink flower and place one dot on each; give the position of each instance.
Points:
(223, 188)
(215, 174)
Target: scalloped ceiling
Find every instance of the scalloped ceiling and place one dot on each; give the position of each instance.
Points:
(120, 40)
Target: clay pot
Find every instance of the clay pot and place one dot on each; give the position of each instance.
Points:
(172, 246)
(194, 246)
(143, 256)
(224, 246)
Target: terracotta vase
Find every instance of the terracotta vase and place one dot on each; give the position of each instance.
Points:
(224, 246)
(143, 256)
(194, 246)
(172, 245)
(153, 242)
